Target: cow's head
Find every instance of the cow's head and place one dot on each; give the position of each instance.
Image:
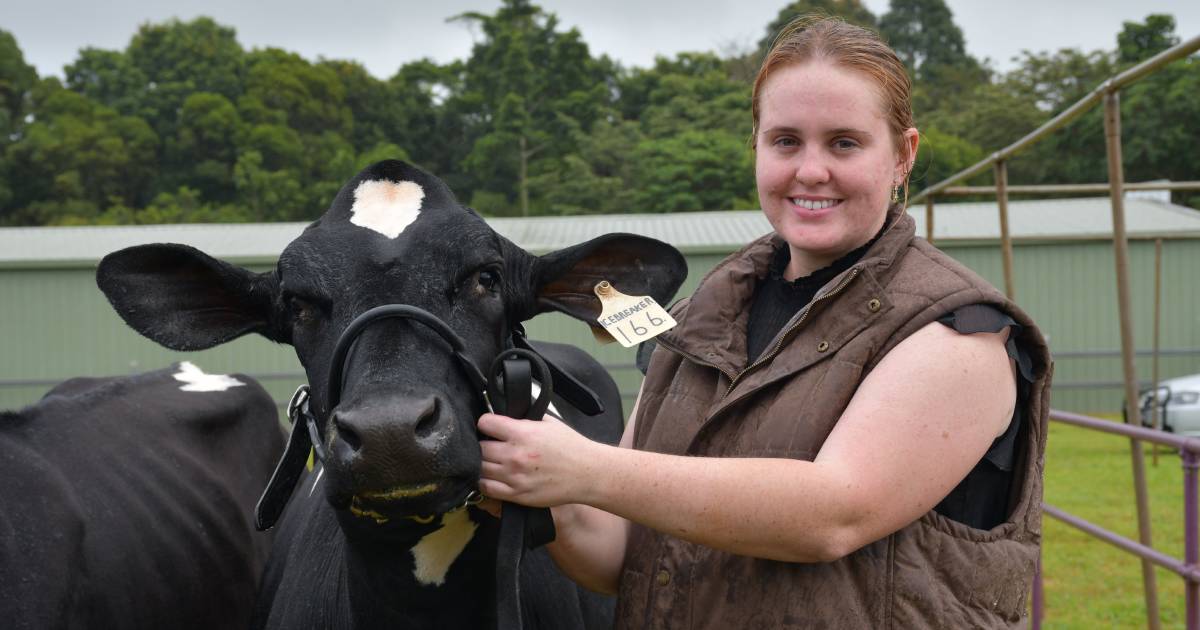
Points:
(402, 440)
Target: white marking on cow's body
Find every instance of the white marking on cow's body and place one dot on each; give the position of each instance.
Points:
(385, 206)
(316, 481)
(433, 554)
(198, 381)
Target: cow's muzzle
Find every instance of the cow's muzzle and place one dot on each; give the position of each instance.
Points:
(308, 429)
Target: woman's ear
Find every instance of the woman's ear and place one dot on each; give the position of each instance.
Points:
(911, 140)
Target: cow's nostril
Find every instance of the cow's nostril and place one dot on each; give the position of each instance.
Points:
(346, 433)
(427, 419)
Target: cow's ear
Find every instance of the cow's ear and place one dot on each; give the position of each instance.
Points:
(185, 299)
(635, 265)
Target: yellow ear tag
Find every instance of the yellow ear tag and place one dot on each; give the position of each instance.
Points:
(631, 319)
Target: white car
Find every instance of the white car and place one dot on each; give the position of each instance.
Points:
(1178, 405)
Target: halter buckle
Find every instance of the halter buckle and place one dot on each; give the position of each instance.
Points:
(299, 399)
(474, 497)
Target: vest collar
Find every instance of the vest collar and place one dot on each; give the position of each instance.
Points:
(712, 324)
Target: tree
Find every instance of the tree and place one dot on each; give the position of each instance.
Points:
(598, 179)
(1055, 81)
(311, 97)
(17, 80)
(1137, 42)
(206, 141)
(109, 78)
(174, 60)
(990, 117)
(441, 120)
(924, 35)
(77, 157)
(691, 91)
(853, 11)
(939, 156)
(530, 85)
(695, 170)
(200, 54)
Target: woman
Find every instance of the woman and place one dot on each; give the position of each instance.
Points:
(845, 429)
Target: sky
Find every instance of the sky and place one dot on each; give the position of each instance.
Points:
(385, 34)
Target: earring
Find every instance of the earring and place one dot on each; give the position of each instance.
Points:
(896, 194)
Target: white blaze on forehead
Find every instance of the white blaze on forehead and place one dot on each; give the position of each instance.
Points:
(197, 381)
(433, 554)
(386, 207)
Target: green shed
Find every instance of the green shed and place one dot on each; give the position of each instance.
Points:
(56, 323)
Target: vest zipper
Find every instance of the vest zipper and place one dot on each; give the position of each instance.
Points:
(693, 358)
(786, 333)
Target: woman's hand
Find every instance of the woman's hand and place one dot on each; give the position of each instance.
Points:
(539, 464)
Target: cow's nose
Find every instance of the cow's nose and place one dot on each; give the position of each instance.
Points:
(397, 429)
(348, 431)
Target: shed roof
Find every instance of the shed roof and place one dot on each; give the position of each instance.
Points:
(692, 232)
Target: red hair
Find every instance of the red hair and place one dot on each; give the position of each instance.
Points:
(810, 38)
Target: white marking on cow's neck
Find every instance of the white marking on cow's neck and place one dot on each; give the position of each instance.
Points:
(385, 206)
(198, 381)
(433, 554)
(316, 481)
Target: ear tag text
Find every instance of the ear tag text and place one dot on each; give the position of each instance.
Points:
(631, 319)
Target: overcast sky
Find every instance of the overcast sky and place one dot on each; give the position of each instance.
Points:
(384, 34)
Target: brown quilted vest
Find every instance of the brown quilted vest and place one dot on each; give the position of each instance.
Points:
(700, 399)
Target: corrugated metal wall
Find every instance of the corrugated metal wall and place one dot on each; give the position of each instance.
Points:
(1070, 289)
(55, 323)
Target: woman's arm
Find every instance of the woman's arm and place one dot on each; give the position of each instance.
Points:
(590, 547)
(916, 426)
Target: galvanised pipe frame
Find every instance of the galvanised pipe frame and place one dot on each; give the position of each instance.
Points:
(1189, 569)
(1108, 93)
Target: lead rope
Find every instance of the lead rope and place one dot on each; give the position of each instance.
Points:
(521, 527)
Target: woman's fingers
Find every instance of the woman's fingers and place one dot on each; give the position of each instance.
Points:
(493, 450)
(496, 489)
(531, 463)
(496, 426)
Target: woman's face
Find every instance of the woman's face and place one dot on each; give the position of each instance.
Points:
(825, 161)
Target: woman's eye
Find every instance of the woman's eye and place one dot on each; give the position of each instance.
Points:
(489, 279)
(845, 143)
(785, 141)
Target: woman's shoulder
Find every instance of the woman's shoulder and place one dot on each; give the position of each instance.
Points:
(933, 274)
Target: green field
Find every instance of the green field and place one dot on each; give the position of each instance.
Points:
(1089, 583)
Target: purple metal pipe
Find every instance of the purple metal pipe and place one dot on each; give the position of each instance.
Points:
(1191, 539)
(1183, 444)
(1189, 572)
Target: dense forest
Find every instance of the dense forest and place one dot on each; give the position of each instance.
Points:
(185, 125)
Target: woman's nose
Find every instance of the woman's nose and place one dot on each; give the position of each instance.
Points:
(811, 167)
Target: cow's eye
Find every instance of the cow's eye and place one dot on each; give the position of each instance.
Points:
(302, 309)
(489, 279)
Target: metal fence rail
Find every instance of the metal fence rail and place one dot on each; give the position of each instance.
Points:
(1111, 86)
(1108, 93)
(1189, 567)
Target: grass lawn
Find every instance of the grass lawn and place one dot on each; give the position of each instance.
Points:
(1089, 583)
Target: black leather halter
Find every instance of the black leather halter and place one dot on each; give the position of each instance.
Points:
(506, 390)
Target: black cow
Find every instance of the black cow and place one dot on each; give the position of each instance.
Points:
(128, 502)
(391, 545)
